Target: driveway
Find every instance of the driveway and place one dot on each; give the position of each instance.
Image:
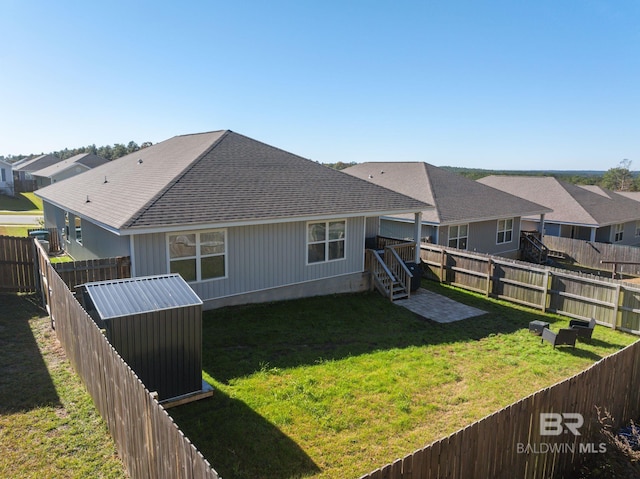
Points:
(19, 219)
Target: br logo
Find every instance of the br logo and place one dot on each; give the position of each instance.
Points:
(554, 424)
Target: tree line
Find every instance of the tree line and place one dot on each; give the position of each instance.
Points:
(108, 152)
(619, 178)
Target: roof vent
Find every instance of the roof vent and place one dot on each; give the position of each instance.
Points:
(105, 180)
(370, 176)
(140, 161)
(88, 200)
(382, 172)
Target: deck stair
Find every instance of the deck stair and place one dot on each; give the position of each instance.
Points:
(532, 249)
(390, 275)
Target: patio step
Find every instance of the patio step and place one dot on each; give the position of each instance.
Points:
(398, 291)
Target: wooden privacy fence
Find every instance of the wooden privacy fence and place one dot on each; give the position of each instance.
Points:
(612, 303)
(54, 238)
(17, 272)
(510, 443)
(149, 442)
(87, 271)
(590, 254)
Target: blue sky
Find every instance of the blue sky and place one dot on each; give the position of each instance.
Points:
(495, 84)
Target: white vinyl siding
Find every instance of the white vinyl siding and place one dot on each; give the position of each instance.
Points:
(258, 257)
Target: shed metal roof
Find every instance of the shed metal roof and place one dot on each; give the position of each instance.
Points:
(125, 297)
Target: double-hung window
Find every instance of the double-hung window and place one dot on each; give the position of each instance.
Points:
(505, 231)
(326, 241)
(458, 236)
(618, 231)
(198, 256)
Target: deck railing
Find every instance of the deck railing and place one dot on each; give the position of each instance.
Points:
(382, 277)
(395, 263)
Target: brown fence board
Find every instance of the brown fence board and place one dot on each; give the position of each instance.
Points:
(149, 442)
(611, 382)
(611, 302)
(17, 267)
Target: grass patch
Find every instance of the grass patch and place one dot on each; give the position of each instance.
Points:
(337, 386)
(22, 231)
(49, 426)
(23, 203)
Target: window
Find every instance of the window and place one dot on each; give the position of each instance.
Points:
(78, 230)
(198, 256)
(326, 241)
(3, 175)
(65, 232)
(505, 231)
(458, 236)
(637, 228)
(618, 230)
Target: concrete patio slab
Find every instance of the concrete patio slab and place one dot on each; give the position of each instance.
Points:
(438, 308)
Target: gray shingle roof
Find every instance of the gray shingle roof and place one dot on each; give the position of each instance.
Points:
(86, 159)
(217, 177)
(589, 206)
(456, 198)
(36, 163)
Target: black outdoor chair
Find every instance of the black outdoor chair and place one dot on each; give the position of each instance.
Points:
(566, 336)
(584, 328)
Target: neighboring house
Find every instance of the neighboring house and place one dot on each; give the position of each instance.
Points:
(588, 213)
(67, 168)
(6, 178)
(240, 220)
(467, 215)
(23, 169)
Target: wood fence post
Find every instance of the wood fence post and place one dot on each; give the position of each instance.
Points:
(547, 275)
(442, 269)
(616, 308)
(489, 276)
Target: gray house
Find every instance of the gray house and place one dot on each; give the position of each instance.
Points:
(67, 168)
(467, 214)
(6, 178)
(23, 169)
(240, 220)
(587, 213)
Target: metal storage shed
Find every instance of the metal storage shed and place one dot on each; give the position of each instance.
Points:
(155, 324)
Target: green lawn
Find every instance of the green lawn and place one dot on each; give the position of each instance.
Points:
(334, 387)
(23, 203)
(21, 231)
(49, 427)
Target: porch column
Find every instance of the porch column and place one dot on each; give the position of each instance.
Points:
(417, 233)
(593, 235)
(541, 227)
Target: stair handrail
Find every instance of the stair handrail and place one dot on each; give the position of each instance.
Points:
(532, 241)
(382, 276)
(398, 267)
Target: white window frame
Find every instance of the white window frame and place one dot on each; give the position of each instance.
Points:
(505, 231)
(618, 232)
(326, 241)
(77, 226)
(199, 256)
(457, 236)
(3, 175)
(66, 232)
